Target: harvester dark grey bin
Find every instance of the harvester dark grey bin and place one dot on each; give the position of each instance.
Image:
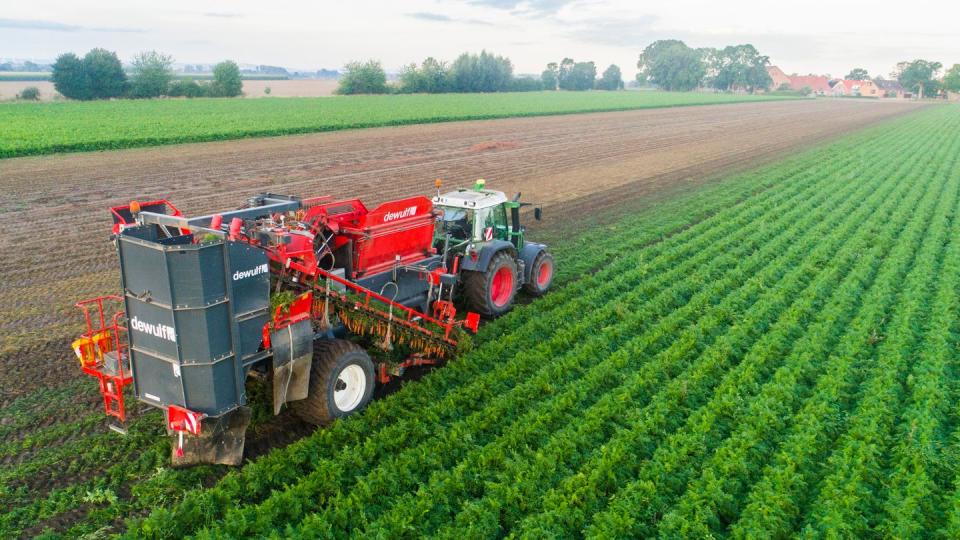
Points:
(195, 312)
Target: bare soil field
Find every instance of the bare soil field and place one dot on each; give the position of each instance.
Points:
(292, 88)
(10, 89)
(251, 88)
(55, 207)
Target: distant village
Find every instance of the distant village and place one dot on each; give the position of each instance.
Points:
(822, 85)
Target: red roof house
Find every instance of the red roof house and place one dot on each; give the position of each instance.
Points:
(818, 84)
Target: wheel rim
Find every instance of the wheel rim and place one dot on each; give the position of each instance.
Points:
(349, 388)
(544, 273)
(501, 286)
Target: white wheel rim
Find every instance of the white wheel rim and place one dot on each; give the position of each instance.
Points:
(349, 388)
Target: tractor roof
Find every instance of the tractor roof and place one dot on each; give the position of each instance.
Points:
(464, 198)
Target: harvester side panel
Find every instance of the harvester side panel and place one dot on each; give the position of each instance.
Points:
(401, 228)
(195, 313)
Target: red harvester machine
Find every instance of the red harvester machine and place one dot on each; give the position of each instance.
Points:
(324, 298)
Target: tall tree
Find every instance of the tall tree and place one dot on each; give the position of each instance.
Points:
(741, 67)
(104, 74)
(363, 78)
(671, 65)
(611, 79)
(577, 76)
(429, 78)
(69, 77)
(566, 66)
(858, 74)
(151, 74)
(951, 80)
(484, 72)
(227, 81)
(918, 76)
(549, 76)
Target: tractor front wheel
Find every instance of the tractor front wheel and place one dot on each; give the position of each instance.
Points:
(341, 382)
(491, 293)
(541, 275)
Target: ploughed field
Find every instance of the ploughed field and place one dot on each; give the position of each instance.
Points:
(767, 353)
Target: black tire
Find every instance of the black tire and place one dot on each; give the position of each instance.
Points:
(331, 358)
(478, 287)
(539, 284)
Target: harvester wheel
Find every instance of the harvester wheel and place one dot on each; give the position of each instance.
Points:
(491, 293)
(341, 382)
(541, 275)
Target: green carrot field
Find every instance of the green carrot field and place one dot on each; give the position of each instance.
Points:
(43, 128)
(774, 355)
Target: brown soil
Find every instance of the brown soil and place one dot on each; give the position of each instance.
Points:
(251, 89)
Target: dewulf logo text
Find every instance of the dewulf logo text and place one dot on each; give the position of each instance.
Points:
(406, 212)
(161, 331)
(255, 271)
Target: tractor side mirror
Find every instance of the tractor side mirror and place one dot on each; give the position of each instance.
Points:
(538, 213)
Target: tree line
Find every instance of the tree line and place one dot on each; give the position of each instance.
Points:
(672, 65)
(99, 74)
(471, 72)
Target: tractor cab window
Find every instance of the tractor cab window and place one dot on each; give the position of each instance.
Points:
(458, 222)
(491, 223)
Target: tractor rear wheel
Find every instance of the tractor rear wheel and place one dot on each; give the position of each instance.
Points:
(541, 275)
(491, 293)
(341, 382)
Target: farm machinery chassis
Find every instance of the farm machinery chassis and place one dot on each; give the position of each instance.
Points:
(324, 299)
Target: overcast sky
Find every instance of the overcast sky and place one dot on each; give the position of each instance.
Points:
(828, 37)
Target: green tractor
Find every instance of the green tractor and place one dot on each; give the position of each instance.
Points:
(482, 227)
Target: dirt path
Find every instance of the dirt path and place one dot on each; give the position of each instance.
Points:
(55, 207)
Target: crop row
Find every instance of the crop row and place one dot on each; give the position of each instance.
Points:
(659, 480)
(713, 501)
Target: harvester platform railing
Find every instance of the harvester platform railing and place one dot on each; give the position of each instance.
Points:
(103, 352)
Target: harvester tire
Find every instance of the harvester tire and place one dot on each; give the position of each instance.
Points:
(342, 378)
(541, 275)
(491, 293)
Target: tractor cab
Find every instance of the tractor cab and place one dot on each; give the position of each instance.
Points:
(476, 216)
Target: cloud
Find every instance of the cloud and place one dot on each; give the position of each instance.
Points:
(440, 17)
(437, 17)
(616, 32)
(527, 7)
(53, 26)
(222, 15)
(38, 25)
